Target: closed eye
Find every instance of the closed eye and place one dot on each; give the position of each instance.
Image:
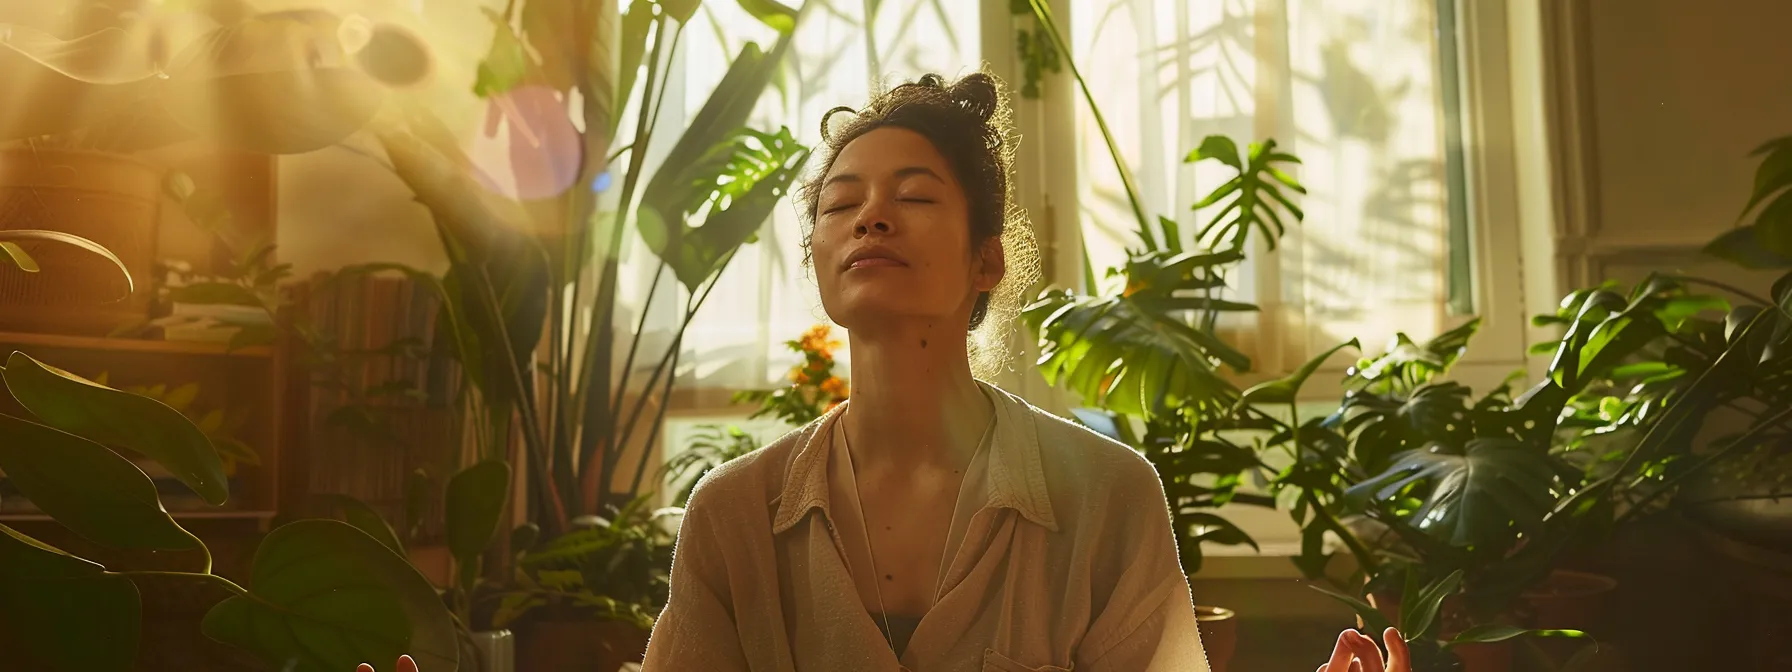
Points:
(839, 207)
(915, 200)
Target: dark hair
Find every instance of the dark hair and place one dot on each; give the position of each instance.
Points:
(967, 122)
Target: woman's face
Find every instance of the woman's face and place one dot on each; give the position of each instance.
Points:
(892, 239)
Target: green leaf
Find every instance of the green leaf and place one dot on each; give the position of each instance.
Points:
(215, 293)
(1740, 246)
(505, 63)
(1284, 390)
(1483, 495)
(325, 597)
(1488, 633)
(738, 182)
(365, 519)
(33, 235)
(771, 13)
(1775, 172)
(681, 10)
(1219, 148)
(72, 404)
(475, 502)
(19, 257)
(89, 489)
(1373, 621)
(636, 25)
(60, 613)
(1421, 612)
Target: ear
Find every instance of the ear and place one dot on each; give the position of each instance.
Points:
(992, 264)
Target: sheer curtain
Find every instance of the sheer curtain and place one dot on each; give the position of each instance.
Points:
(766, 296)
(1350, 86)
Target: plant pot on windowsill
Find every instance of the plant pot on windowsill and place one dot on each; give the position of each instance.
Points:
(1219, 635)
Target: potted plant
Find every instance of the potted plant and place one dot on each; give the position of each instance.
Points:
(65, 612)
(136, 80)
(528, 262)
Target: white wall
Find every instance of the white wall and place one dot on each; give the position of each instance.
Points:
(1659, 103)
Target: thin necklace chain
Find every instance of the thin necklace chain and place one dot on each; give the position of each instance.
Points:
(865, 525)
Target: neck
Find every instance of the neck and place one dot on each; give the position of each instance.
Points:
(914, 402)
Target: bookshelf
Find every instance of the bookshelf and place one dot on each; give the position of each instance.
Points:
(24, 341)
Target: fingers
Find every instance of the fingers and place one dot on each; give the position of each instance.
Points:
(1357, 666)
(405, 664)
(364, 667)
(1399, 659)
(1340, 653)
(1366, 651)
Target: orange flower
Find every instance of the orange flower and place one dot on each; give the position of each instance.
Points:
(816, 340)
(834, 386)
(799, 376)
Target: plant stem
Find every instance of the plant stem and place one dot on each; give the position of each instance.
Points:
(670, 356)
(1726, 287)
(1735, 446)
(1042, 10)
(227, 582)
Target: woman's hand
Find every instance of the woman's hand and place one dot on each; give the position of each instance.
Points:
(1355, 652)
(405, 664)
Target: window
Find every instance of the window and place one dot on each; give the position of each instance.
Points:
(1370, 94)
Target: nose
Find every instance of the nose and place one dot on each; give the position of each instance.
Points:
(874, 216)
(865, 227)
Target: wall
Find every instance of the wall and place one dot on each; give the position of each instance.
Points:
(1657, 106)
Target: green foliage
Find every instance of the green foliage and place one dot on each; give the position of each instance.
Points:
(59, 612)
(615, 568)
(323, 595)
(1253, 199)
(711, 447)
(1767, 242)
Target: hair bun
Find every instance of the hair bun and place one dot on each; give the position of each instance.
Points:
(978, 93)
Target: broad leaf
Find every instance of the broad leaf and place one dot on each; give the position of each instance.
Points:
(637, 23)
(475, 501)
(61, 613)
(1740, 246)
(1481, 496)
(365, 519)
(325, 597)
(1420, 607)
(736, 185)
(1283, 390)
(1497, 632)
(72, 404)
(771, 13)
(33, 235)
(89, 489)
(1116, 354)
(19, 257)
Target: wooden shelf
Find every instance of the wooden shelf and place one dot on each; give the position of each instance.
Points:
(133, 345)
(177, 515)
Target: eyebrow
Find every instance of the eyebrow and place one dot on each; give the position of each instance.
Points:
(900, 173)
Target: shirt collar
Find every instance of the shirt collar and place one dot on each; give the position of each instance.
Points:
(1016, 475)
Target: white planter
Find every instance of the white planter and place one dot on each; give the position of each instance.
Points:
(497, 652)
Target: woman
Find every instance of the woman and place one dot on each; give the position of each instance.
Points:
(933, 522)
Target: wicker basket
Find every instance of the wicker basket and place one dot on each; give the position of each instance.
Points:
(112, 199)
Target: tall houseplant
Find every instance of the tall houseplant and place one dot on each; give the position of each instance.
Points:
(534, 281)
(59, 611)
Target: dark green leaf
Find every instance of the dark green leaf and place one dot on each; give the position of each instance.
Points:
(1774, 173)
(365, 519)
(60, 613)
(475, 502)
(72, 404)
(1482, 496)
(1373, 620)
(636, 25)
(739, 182)
(1219, 148)
(1497, 632)
(681, 10)
(1740, 246)
(325, 597)
(1421, 612)
(1284, 390)
(215, 293)
(89, 489)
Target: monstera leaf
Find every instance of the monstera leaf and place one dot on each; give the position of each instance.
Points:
(1480, 495)
(1119, 354)
(1251, 198)
(325, 597)
(738, 181)
(1407, 365)
(1380, 426)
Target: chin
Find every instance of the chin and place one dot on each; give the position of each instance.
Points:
(869, 308)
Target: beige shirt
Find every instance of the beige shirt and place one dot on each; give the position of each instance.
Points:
(1067, 562)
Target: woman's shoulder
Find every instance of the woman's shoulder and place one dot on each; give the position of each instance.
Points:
(755, 478)
(1078, 460)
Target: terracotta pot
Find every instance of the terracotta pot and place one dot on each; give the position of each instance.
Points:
(578, 646)
(111, 199)
(1569, 600)
(1219, 635)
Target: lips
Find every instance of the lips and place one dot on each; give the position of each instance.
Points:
(874, 256)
